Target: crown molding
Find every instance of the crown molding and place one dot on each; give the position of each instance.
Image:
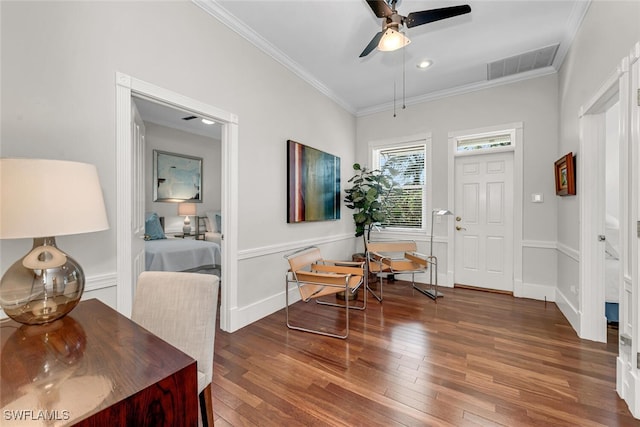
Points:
(460, 90)
(213, 8)
(573, 25)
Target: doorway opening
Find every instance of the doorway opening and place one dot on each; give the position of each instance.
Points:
(128, 88)
(600, 172)
(612, 267)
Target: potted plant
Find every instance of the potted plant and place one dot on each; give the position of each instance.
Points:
(369, 197)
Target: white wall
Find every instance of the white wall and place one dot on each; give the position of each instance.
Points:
(59, 61)
(532, 102)
(176, 141)
(608, 32)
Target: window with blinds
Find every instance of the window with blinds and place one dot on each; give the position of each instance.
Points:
(408, 204)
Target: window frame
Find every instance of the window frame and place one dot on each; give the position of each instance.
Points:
(487, 135)
(375, 147)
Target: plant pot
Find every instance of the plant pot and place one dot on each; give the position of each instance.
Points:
(351, 297)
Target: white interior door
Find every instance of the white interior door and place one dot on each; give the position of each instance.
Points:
(483, 226)
(137, 194)
(628, 367)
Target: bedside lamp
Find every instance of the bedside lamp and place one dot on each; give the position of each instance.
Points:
(186, 209)
(41, 199)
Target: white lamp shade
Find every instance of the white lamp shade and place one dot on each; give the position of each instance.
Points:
(187, 209)
(40, 198)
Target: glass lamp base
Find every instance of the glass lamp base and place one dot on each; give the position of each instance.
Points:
(43, 286)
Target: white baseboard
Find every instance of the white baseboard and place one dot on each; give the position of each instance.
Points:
(243, 316)
(568, 310)
(535, 291)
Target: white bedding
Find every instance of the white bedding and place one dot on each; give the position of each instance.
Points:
(211, 236)
(612, 280)
(181, 254)
(612, 260)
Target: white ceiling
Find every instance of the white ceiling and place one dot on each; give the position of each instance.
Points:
(321, 41)
(172, 117)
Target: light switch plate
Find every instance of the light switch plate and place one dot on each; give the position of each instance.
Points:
(537, 198)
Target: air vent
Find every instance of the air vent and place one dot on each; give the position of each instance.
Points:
(189, 118)
(527, 61)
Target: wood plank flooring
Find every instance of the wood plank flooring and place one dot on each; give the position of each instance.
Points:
(474, 359)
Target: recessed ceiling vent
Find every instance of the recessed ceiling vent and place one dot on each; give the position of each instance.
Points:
(527, 61)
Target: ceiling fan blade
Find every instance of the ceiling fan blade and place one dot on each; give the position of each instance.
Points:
(380, 8)
(418, 18)
(372, 44)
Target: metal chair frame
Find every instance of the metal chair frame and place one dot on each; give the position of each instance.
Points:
(404, 260)
(316, 277)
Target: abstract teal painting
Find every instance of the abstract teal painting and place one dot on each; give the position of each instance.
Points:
(313, 184)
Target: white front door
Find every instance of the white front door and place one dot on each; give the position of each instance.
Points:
(483, 225)
(137, 195)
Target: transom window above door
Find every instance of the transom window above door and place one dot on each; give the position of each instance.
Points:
(493, 141)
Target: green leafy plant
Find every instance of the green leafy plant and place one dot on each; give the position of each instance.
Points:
(369, 196)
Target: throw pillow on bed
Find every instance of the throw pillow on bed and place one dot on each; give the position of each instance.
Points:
(215, 221)
(153, 228)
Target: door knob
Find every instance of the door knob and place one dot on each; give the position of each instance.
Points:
(460, 228)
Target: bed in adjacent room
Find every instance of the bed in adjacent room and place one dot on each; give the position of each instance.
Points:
(181, 255)
(177, 254)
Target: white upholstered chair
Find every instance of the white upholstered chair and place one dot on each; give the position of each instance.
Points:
(181, 309)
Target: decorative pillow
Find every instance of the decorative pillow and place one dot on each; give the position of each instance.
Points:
(218, 216)
(215, 224)
(153, 228)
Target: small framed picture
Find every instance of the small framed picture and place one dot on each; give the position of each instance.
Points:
(565, 175)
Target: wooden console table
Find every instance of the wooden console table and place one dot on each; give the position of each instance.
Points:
(94, 367)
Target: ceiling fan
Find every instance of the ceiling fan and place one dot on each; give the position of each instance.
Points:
(390, 38)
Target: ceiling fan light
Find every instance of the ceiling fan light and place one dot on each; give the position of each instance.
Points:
(392, 40)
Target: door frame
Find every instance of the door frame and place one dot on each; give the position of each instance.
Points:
(517, 128)
(126, 88)
(621, 85)
(592, 127)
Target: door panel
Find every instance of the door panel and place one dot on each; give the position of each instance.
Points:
(471, 249)
(471, 202)
(484, 221)
(495, 203)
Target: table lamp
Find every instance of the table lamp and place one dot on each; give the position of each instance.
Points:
(41, 199)
(186, 209)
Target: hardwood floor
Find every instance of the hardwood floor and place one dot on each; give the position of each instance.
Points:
(474, 359)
